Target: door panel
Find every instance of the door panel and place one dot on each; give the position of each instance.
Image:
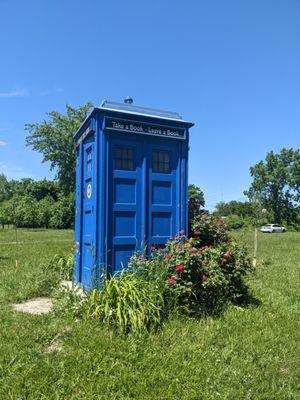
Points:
(163, 210)
(89, 218)
(125, 213)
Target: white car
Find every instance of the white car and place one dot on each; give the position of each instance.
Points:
(272, 228)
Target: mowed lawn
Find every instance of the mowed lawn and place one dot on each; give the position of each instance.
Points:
(249, 352)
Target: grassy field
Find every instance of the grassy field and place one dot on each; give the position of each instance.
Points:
(246, 353)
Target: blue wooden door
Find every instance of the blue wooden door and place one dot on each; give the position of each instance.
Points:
(163, 194)
(89, 218)
(125, 200)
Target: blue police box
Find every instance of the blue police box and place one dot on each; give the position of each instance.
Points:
(131, 185)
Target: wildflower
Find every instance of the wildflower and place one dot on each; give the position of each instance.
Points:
(152, 248)
(160, 251)
(168, 256)
(179, 268)
(172, 281)
(204, 263)
(182, 232)
(197, 232)
(204, 277)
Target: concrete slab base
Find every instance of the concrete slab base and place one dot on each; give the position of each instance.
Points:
(36, 306)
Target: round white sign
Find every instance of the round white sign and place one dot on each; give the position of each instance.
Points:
(89, 191)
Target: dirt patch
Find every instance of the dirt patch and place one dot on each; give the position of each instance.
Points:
(37, 306)
(55, 344)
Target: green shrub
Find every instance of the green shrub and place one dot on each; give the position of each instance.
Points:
(193, 276)
(127, 302)
(235, 222)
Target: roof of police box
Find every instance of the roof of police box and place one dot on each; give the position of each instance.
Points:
(138, 110)
(132, 109)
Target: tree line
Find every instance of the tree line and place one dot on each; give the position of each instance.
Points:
(27, 203)
(35, 204)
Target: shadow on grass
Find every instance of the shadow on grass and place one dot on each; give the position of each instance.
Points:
(245, 299)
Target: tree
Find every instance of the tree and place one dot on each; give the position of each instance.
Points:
(239, 208)
(4, 188)
(277, 182)
(25, 211)
(42, 189)
(45, 211)
(63, 213)
(5, 214)
(20, 187)
(54, 140)
(196, 200)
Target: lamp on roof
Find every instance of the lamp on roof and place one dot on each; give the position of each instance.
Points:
(128, 100)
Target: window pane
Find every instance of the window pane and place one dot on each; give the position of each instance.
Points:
(130, 154)
(161, 161)
(124, 158)
(118, 152)
(130, 165)
(118, 163)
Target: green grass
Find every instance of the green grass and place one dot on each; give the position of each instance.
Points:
(246, 353)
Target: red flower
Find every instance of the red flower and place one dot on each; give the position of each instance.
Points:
(223, 261)
(152, 248)
(228, 255)
(182, 232)
(160, 251)
(172, 281)
(192, 250)
(168, 256)
(204, 277)
(197, 232)
(204, 263)
(179, 268)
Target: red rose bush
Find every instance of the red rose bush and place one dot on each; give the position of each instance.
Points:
(199, 273)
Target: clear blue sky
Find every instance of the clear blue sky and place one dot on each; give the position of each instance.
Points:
(232, 67)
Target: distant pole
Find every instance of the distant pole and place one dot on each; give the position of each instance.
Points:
(17, 248)
(16, 234)
(255, 248)
(257, 220)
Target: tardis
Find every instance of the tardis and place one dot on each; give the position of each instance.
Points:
(131, 186)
